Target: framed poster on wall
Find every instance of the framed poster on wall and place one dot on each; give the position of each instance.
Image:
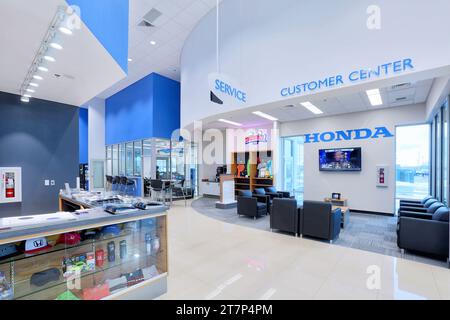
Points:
(10, 185)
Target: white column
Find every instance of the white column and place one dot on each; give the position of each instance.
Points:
(96, 135)
(276, 155)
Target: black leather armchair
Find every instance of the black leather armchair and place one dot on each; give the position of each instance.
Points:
(415, 202)
(426, 204)
(273, 193)
(320, 221)
(249, 206)
(285, 216)
(424, 233)
(426, 211)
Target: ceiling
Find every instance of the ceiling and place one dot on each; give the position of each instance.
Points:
(169, 32)
(402, 94)
(82, 73)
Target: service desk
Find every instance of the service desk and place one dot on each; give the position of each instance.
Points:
(87, 255)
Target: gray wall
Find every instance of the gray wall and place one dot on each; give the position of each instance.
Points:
(42, 138)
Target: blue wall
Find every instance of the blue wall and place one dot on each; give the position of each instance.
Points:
(148, 108)
(42, 138)
(108, 21)
(83, 135)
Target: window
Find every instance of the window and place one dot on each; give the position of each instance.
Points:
(115, 160)
(293, 166)
(412, 161)
(445, 157)
(122, 159)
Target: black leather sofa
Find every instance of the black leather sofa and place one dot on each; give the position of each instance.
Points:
(416, 202)
(285, 216)
(424, 232)
(273, 193)
(425, 210)
(426, 204)
(248, 205)
(320, 221)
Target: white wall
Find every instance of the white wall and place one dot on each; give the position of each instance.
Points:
(359, 187)
(266, 45)
(96, 131)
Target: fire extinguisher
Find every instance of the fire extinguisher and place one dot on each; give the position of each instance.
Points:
(10, 189)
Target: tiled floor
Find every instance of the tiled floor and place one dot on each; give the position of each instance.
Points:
(211, 259)
(374, 233)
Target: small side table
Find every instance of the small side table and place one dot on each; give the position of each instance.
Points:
(337, 202)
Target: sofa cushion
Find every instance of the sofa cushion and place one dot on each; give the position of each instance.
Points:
(426, 199)
(245, 193)
(429, 202)
(434, 207)
(441, 214)
(260, 191)
(261, 206)
(271, 189)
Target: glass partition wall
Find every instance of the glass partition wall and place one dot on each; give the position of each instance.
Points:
(154, 158)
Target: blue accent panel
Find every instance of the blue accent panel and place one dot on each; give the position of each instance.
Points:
(166, 112)
(83, 135)
(148, 108)
(108, 21)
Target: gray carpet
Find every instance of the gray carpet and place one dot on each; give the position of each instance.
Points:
(367, 232)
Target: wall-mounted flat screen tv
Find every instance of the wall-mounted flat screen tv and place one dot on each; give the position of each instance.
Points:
(343, 159)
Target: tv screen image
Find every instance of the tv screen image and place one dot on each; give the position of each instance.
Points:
(344, 159)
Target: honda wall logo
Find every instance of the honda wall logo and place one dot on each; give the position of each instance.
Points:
(347, 135)
(223, 89)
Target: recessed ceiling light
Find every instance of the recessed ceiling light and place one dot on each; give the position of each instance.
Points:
(308, 105)
(56, 46)
(265, 115)
(153, 42)
(25, 99)
(65, 30)
(38, 77)
(44, 69)
(30, 90)
(129, 59)
(49, 58)
(231, 122)
(374, 97)
(27, 95)
(34, 84)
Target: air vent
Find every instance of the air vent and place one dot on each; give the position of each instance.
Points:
(401, 99)
(149, 18)
(401, 86)
(289, 106)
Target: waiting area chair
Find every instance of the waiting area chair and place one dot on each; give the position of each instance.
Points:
(274, 193)
(430, 209)
(248, 205)
(424, 232)
(285, 216)
(320, 221)
(415, 202)
(263, 197)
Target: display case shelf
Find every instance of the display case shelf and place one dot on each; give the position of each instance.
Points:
(19, 269)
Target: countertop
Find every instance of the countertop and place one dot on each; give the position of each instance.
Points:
(94, 218)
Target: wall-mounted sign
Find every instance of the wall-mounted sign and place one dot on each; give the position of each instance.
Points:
(256, 136)
(363, 74)
(10, 185)
(225, 90)
(347, 135)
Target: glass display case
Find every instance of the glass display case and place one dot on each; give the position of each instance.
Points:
(91, 264)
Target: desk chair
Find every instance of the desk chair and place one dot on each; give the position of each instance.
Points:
(130, 185)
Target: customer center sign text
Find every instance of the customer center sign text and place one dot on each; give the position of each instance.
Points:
(379, 71)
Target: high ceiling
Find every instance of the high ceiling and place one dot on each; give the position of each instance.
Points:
(168, 31)
(402, 94)
(74, 78)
